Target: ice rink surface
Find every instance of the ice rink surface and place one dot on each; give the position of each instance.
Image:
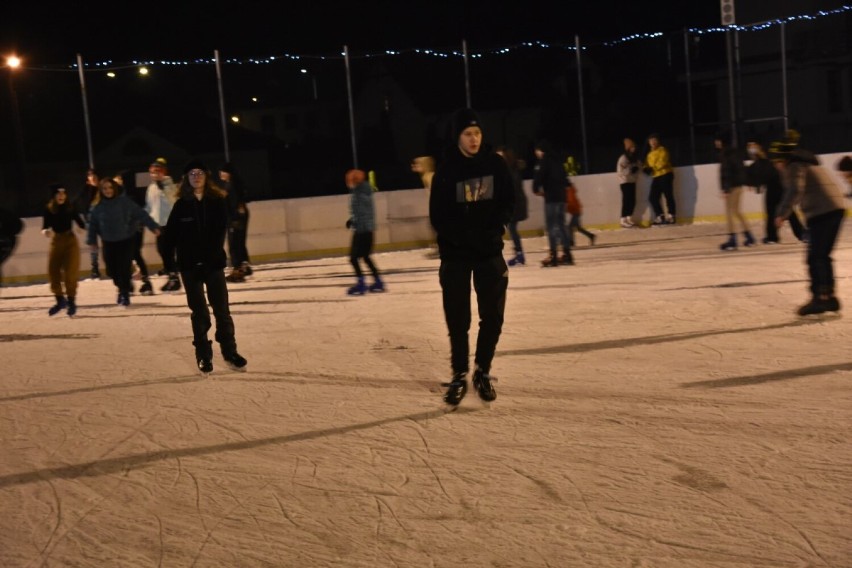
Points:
(659, 405)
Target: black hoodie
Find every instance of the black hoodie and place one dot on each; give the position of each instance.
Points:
(471, 200)
(197, 228)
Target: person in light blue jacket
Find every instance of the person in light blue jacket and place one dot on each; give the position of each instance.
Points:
(115, 220)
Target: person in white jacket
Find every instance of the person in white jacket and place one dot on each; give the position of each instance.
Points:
(160, 197)
(627, 170)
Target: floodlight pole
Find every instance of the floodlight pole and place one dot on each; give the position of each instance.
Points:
(85, 110)
(582, 104)
(689, 93)
(351, 108)
(466, 74)
(222, 105)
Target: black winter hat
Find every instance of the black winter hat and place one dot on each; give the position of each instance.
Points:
(194, 164)
(227, 167)
(464, 118)
(55, 187)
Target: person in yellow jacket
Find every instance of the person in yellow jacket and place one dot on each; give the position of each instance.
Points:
(658, 165)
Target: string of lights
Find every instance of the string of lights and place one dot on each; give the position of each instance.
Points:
(113, 66)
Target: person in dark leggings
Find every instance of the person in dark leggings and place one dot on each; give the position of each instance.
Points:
(471, 201)
(362, 221)
(809, 184)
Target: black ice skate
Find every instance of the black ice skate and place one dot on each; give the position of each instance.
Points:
(483, 386)
(235, 361)
(205, 365)
(456, 389)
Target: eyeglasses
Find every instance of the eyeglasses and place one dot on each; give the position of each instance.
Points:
(195, 173)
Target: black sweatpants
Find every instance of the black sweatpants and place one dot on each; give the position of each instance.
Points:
(490, 282)
(823, 234)
(118, 256)
(628, 199)
(194, 283)
(663, 186)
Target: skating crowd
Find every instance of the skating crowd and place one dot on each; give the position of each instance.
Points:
(475, 199)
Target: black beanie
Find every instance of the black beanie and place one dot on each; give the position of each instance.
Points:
(55, 187)
(464, 118)
(228, 168)
(194, 164)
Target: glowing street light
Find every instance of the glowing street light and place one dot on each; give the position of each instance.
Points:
(13, 61)
(313, 81)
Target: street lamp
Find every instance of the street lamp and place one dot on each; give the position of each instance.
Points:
(313, 81)
(13, 62)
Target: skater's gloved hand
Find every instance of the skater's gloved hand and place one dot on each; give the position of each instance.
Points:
(349, 223)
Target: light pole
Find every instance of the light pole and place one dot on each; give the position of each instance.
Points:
(13, 62)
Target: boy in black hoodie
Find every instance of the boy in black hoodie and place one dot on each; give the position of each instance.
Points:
(470, 203)
(196, 228)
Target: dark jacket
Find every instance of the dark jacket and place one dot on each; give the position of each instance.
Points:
(117, 219)
(197, 229)
(60, 218)
(470, 202)
(762, 173)
(810, 185)
(361, 208)
(550, 178)
(732, 169)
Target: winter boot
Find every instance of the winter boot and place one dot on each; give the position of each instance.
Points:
(377, 286)
(482, 384)
(61, 304)
(358, 289)
(749, 239)
(730, 244)
(518, 259)
(204, 356)
(72, 307)
(456, 389)
(146, 289)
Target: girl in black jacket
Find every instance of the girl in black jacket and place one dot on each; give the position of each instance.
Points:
(197, 227)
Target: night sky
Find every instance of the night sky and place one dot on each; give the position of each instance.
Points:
(188, 29)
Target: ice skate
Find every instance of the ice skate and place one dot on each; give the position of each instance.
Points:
(456, 389)
(550, 261)
(246, 269)
(72, 308)
(172, 284)
(377, 286)
(730, 244)
(819, 306)
(146, 289)
(61, 304)
(482, 384)
(518, 259)
(205, 365)
(234, 360)
(749, 240)
(358, 289)
(236, 275)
